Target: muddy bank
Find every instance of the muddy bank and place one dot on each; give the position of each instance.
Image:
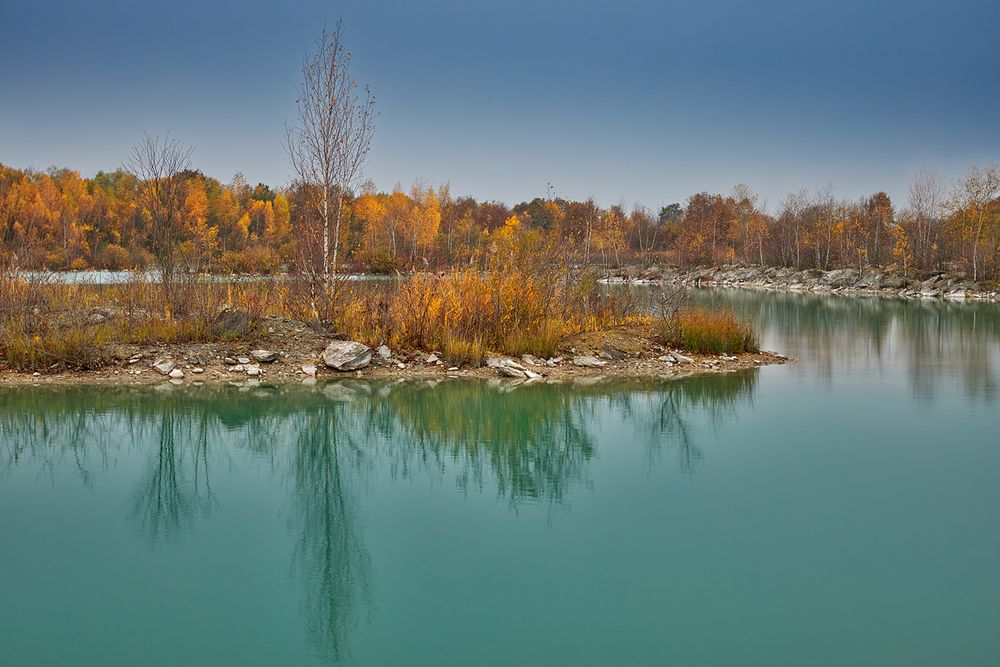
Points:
(291, 351)
(870, 282)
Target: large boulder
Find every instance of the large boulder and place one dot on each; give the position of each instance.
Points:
(839, 278)
(264, 356)
(346, 355)
(508, 371)
(231, 324)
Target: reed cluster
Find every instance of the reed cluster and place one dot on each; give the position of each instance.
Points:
(708, 332)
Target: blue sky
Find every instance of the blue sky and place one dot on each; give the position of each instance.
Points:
(627, 101)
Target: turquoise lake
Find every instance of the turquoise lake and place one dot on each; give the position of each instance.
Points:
(838, 510)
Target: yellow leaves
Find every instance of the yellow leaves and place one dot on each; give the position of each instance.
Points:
(195, 203)
(510, 226)
(369, 209)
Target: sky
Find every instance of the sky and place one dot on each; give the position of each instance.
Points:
(628, 102)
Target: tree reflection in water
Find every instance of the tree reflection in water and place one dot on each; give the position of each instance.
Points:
(334, 565)
(177, 484)
(530, 442)
(937, 342)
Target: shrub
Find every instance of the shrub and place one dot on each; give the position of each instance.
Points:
(78, 348)
(113, 258)
(708, 332)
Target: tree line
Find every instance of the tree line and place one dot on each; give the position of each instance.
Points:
(58, 220)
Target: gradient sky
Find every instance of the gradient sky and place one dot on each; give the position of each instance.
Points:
(625, 101)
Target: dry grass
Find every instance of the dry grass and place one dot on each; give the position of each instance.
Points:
(77, 348)
(467, 314)
(708, 332)
(463, 315)
(45, 325)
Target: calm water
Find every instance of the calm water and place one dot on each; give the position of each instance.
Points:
(837, 511)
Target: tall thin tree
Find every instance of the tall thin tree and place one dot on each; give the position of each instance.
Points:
(329, 144)
(158, 166)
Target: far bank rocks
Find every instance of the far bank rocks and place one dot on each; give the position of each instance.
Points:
(346, 356)
(868, 282)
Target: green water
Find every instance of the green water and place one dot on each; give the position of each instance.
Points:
(837, 511)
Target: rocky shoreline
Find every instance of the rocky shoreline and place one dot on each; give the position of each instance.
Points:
(870, 282)
(292, 352)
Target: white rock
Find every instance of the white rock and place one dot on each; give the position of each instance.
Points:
(243, 360)
(176, 374)
(497, 362)
(384, 353)
(508, 371)
(432, 359)
(253, 371)
(589, 362)
(264, 356)
(344, 355)
(164, 366)
(309, 370)
(197, 370)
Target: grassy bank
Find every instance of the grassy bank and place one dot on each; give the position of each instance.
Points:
(463, 316)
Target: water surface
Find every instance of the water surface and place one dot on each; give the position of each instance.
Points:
(839, 510)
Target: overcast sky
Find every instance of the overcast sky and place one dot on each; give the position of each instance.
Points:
(625, 101)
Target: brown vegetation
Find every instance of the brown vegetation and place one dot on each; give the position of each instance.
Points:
(708, 332)
(503, 308)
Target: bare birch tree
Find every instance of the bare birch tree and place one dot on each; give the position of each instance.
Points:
(926, 201)
(329, 143)
(159, 166)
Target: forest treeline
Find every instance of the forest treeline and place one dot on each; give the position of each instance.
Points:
(58, 220)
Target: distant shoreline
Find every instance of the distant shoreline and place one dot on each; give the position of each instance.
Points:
(849, 282)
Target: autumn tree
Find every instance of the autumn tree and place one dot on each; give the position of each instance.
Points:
(198, 250)
(976, 202)
(878, 216)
